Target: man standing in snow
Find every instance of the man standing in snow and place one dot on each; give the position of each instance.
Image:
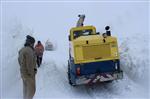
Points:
(39, 49)
(27, 62)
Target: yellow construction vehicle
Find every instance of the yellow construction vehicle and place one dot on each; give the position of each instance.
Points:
(92, 57)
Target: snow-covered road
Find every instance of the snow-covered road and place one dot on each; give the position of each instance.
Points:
(52, 82)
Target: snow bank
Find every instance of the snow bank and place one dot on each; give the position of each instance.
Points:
(13, 38)
(135, 59)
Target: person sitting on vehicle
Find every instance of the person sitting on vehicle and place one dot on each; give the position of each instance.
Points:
(108, 32)
(39, 49)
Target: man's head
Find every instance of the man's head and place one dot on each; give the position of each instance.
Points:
(107, 28)
(39, 42)
(29, 41)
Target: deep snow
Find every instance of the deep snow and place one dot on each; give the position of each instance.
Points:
(130, 25)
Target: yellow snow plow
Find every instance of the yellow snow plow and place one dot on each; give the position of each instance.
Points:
(92, 57)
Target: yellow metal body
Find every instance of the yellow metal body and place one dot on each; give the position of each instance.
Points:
(92, 48)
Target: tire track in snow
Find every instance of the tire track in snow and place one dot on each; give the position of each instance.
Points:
(52, 82)
(50, 74)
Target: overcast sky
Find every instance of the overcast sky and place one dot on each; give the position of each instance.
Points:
(54, 19)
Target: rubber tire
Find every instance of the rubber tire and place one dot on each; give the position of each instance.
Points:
(69, 77)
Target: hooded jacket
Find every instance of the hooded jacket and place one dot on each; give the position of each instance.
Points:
(39, 49)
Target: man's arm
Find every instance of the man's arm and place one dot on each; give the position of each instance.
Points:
(21, 58)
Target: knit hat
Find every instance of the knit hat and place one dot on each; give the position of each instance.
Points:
(39, 42)
(30, 39)
(107, 28)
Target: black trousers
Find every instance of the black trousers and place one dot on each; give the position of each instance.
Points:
(39, 60)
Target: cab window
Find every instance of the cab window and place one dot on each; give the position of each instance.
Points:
(79, 33)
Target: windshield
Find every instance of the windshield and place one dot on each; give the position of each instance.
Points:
(82, 33)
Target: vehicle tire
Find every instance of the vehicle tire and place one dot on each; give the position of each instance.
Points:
(69, 76)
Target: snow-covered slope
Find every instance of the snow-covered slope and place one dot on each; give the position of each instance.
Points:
(129, 22)
(13, 38)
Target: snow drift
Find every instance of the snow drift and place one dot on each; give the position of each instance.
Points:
(13, 39)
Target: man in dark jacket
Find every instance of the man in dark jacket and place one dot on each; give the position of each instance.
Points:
(27, 62)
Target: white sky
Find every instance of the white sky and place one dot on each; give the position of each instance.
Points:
(54, 19)
(50, 17)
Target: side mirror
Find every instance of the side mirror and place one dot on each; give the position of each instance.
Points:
(69, 38)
